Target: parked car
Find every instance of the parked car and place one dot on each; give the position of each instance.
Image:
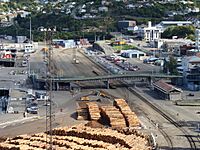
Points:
(24, 63)
(190, 94)
(32, 110)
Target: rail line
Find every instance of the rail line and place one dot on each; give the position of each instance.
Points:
(165, 135)
(172, 121)
(167, 138)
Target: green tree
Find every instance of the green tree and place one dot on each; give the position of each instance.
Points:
(170, 66)
(180, 31)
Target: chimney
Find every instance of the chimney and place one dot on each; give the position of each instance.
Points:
(149, 24)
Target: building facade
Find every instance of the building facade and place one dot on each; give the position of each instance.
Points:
(165, 24)
(126, 24)
(133, 54)
(197, 39)
(166, 91)
(151, 34)
(190, 70)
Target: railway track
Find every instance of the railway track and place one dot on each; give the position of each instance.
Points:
(171, 120)
(165, 135)
(167, 117)
(167, 138)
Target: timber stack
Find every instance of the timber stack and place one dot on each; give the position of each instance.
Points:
(130, 117)
(113, 116)
(82, 111)
(79, 137)
(94, 112)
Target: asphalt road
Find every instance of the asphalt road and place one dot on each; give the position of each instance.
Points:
(63, 63)
(37, 123)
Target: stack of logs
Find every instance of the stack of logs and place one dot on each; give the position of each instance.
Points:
(130, 117)
(113, 116)
(94, 112)
(82, 111)
(80, 137)
(117, 116)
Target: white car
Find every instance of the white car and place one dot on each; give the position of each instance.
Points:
(32, 110)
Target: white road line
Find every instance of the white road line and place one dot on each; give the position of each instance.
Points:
(19, 121)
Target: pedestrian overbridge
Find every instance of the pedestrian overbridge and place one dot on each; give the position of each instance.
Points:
(103, 78)
(109, 77)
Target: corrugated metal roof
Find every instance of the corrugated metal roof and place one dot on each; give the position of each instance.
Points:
(165, 86)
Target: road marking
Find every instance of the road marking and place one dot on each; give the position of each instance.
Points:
(19, 121)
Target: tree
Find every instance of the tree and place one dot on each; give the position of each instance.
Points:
(170, 66)
(180, 31)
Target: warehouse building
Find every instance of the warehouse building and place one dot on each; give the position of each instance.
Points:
(167, 91)
(133, 54)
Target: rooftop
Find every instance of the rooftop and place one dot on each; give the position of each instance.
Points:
(165, 87)
(194, 59)
(133, 51)
(175, 22)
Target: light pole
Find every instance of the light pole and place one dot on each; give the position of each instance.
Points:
(49, 86)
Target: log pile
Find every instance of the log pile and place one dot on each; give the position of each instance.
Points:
(113, 117)
(94, 112)
(79, 137)
(82, 111)
(118, 116)
(130, 117)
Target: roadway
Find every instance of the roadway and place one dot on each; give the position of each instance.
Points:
(107, 49)
(63, 63)
(34, 123)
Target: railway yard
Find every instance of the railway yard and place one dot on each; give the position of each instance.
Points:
(89, 116)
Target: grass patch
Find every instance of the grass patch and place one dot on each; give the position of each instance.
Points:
(124, 47)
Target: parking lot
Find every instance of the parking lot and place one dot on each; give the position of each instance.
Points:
(120, 65)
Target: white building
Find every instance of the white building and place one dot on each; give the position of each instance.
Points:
(4, 1)
(133, 54)
(65, 43)
(197, 38)
(70, 44)
(103, 9)
(152, 34)
(26, 47)
(23, 13)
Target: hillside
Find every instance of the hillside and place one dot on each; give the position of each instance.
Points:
(79, 18)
